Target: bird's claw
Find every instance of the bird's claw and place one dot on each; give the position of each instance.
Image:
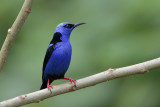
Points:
(49, 88)
(71, 80)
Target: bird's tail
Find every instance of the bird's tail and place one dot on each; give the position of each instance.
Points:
(44, 85)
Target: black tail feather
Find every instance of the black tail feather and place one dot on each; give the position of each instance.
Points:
(44, 85)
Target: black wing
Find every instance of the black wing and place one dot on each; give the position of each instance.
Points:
(47, 56)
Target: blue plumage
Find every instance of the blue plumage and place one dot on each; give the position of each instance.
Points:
(58, 55)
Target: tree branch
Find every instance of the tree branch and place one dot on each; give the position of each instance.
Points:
(110, 74)
(13, 31)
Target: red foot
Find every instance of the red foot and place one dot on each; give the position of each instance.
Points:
(71, 80)
(49, 86)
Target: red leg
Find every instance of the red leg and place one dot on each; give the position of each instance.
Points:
(71, 80)
(49, 86)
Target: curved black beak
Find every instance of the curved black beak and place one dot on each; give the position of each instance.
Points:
(75, 25)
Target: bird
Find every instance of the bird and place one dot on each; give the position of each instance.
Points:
(58, 55)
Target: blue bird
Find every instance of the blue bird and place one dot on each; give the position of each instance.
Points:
(58, 55)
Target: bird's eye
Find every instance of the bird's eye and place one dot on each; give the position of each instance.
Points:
(69, 25)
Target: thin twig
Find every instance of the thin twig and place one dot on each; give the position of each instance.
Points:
(13, 31)
(110, 74)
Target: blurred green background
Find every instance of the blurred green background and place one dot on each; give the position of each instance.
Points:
(118, 33)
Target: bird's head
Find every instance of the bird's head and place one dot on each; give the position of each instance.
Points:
(66, 28)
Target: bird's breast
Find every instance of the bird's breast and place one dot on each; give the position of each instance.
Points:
(62, 53)
(63, 49)
(60, 60)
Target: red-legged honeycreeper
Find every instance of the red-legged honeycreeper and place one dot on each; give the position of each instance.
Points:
(58, 55)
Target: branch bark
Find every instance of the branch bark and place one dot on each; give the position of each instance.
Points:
(13, 31)
(110, 74)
